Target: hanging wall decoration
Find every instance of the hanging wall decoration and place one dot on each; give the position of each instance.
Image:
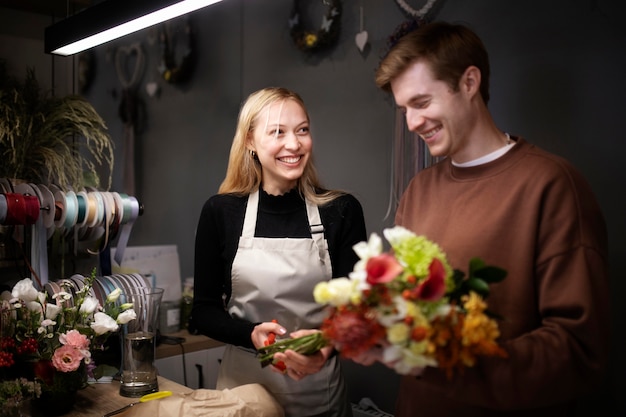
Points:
(177, 72)
(361, 37)
(416, 14)
(311, 40)
(129, 65)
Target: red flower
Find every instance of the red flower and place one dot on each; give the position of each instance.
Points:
(353, 330)
(44, 371)
(433, 287)
(382, 268)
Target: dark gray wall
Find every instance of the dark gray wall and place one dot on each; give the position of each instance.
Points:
(557, 79)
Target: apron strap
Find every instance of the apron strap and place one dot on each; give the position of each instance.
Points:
(249, 220)
(317, 229)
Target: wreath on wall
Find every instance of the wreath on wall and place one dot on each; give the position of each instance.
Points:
(308, 40)
(177, 72)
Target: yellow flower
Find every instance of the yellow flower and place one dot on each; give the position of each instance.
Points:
(398, 333)
(310, 39)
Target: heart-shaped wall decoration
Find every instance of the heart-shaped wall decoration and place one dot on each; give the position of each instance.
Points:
(361, 40)
(125, 57)
(152, 88)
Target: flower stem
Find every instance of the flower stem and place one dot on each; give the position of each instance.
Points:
(305, 345)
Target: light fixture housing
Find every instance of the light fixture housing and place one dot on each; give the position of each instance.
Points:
(112, 19)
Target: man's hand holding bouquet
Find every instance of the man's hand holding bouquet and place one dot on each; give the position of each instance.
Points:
(407, 308)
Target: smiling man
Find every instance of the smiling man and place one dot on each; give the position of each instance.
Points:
(501, 198)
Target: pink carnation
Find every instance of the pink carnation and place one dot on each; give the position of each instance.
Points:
(67, 359)
(75, 339)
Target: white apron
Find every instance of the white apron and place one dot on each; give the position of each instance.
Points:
(274, 278)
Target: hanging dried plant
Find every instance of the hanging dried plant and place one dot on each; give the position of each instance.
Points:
(52, 140)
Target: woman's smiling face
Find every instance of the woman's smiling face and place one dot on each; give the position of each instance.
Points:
(283, 143)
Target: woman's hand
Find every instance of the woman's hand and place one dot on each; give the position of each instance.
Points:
(299, 366)
(263, 332)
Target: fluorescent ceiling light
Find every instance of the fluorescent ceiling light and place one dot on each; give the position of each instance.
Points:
(112, 19)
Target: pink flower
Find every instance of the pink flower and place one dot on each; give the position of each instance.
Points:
(75, 339)
(382, 268)
(67, 359)
(433, 287)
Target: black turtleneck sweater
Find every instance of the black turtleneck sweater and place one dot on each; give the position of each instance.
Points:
(217, 238)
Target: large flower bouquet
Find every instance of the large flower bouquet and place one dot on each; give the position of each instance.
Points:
(51, 338)
(410, 303)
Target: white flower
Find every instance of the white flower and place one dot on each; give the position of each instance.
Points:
(126, 306)
(103, 323)
(397, 235)
(389, 317)
(114, 295)
(62, 296)
(366, 250)
(126, 316)
(336, 292)
(52, 311)
(89, 305)
(24, 290)
(48, 322)
(34, 306)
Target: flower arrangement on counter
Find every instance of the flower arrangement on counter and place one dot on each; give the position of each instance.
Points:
(410, 303)
(50, 338)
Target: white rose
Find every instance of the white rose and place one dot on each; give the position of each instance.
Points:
(89, 305)
(103, 323)
(126, 316)
(24, 290)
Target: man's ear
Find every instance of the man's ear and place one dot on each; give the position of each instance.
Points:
(470, 80)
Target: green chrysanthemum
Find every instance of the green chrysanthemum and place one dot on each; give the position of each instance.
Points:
(416, 254)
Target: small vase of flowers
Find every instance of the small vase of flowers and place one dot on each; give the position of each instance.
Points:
(50, 339)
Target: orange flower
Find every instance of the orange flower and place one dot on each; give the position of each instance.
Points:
(353, 331)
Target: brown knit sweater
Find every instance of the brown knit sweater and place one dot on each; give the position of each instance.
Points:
(533, 214)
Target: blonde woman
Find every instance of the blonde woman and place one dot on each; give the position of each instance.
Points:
(262, 244)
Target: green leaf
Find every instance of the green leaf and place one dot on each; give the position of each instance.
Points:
(104, 370)
(490, 274)
(474, 265)
(479, 286)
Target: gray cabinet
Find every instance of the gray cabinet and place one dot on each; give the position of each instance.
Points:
(194, 369)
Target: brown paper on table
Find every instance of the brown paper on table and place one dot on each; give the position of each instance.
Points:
(251, 400)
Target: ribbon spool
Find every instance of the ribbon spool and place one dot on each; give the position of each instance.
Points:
(3, 208)
(21, 209)
(47, 208)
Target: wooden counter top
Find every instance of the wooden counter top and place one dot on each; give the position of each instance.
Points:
(98, 399)
(192, 343)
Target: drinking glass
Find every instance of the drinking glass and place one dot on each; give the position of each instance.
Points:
(139, 373)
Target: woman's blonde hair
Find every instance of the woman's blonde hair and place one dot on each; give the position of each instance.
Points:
(244, 173)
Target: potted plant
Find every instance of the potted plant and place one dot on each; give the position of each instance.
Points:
(51, 140)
